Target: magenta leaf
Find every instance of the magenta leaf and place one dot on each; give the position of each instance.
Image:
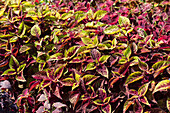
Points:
(138, 107)
(102, 69)
(106, 108)
(95, 54)
(124, 68)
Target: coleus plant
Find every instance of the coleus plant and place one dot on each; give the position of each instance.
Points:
(92, 56)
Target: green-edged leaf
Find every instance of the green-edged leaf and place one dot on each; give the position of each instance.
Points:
(137, 108)
(99, 24)
(95, 41)
(99, 14)
(123, 20)
(90, 14)
(80, 15)
(142, 32)
(59, 71)
(90, 24)
(9, 72)
(35, 31)
(143, 89)
(6, 36)
(102, 46)
(122, 60)
(127, 52)
(143, 66)
(124, 68)
(24, 48)
(104, 58)
(160, 65)
(2, 12)
(111, 30)
(98, 102)
(13, 39)
(87, 40)
(144, 100)
(66, 15)
(162, 85)
(90, 66)
(168, 103)
(20, 78)
(106, 108)
(71, 51)
(68, 81)
(106, 100)
(135, 76)
(13, 62)
(21, 27)
(127, 104)
(74, 99)
(114, 42)
(102, 69)
(21, 68)
(88, 79)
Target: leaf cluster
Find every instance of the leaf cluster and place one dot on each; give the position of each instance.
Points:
(86, 56)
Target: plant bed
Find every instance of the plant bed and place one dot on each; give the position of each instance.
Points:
(86, 56)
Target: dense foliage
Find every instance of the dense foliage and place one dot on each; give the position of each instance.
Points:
(85, 56)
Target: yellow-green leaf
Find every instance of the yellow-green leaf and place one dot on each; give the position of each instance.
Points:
(66, 15)
(112, 30)
(87, 40)
(9, 72)
(127, 52)
(162, 85)
(24, 48)
(123, 20)
(127, 104)
(90, 66)
(143, 66)
(13, 62)
(104, 58)
(99, 14)
(135, 76)
(2, 11)
(143, 89)
(88, 79)
(35, 31)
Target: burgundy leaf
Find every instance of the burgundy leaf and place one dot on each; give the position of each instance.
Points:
(113, 80)
(57, 93)
(102, 94)
(144, 100)
(124, 68)
(138, 107)
(31, 101)
(102, 69)
(95, 54)
(74, 98)
(33, 84)
(106, 108)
